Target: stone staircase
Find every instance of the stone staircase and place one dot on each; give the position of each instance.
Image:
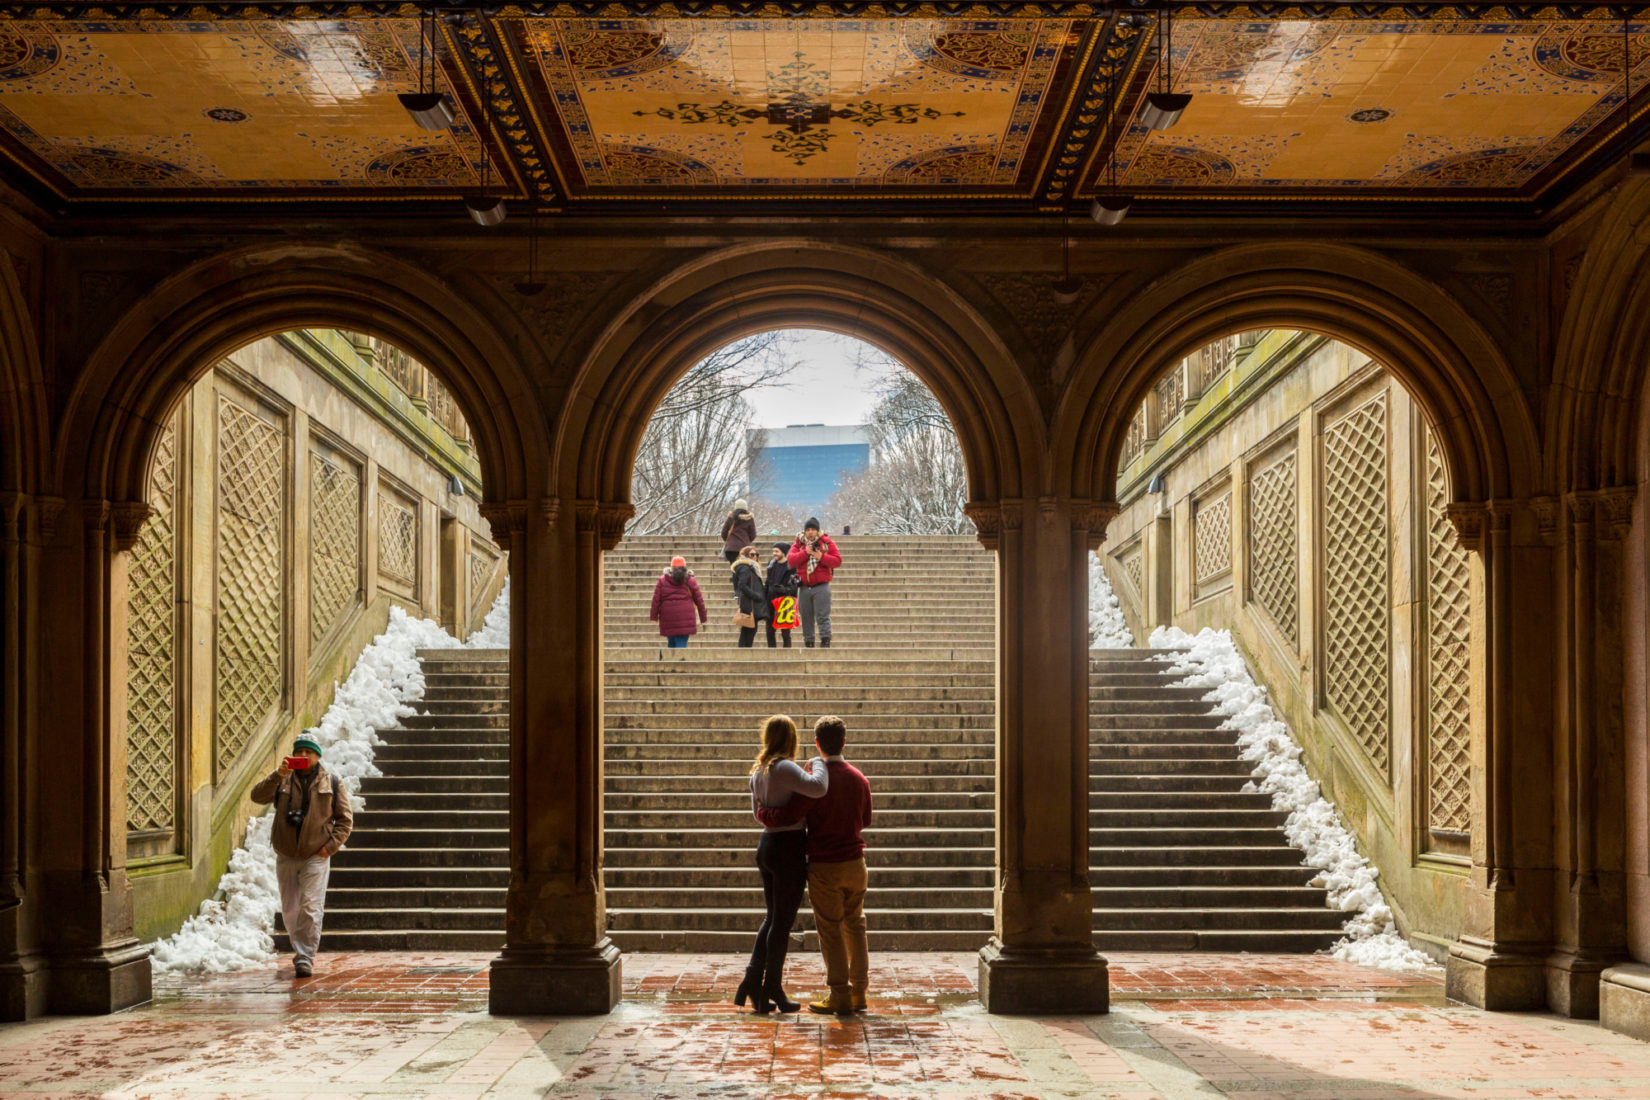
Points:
(1182, 858)
(911, 671)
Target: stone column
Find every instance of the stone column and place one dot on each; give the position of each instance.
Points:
(97, 964)
(1497, 963)
(557, 958)
(1042, 956)
(22, 966)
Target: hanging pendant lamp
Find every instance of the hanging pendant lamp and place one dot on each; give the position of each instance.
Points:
(1164, 107)
(1110, 209)
(430, 109)
(486, 210)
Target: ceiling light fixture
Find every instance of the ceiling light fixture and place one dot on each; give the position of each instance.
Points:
(1164, 106)
(486, 210)
(532, 285)
(429, 108)
(1112, 208)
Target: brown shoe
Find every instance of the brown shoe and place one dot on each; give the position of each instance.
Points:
(301, 970)
(833, 1004)
(859, 1000)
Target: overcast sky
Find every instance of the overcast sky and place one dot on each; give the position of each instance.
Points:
(827, 389)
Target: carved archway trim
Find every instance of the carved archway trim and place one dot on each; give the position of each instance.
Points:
(1453, 369)
(1596, 403)
(696, 308)
(189, 322)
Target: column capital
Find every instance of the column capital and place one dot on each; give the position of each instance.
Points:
(1609, 510)
(1473, 519)
(505, 518)
(12, 506)
(1546, 511)
(46, 513)
(96, 514)
(129, 516)
(1093, 517)
(607, 519)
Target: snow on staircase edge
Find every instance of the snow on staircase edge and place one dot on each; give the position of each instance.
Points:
(1211, 660)
(234, 929)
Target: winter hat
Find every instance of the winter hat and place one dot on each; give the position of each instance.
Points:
(306, 740)
(740, 505)
(812, 524)
(783, 547)
(678, 563)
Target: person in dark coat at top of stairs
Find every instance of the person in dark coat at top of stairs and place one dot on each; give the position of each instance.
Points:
(750, 587)
(675, 599)
(738, 530)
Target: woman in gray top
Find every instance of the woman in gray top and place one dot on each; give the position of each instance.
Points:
(782, 857)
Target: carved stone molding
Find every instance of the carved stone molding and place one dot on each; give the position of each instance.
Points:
(46, 512)
(95, 514)
(505, 518)
(550, 509)
(129, 517)
(606, 520)
(987, 519)
(1093, 517)
(1470, 520)
(1610, 510)
(1546, 512)
(11, 516)
(1013, 514)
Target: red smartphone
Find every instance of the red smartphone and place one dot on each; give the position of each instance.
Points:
(298, 763)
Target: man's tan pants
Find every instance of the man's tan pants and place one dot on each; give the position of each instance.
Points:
(303, 884)
(837, 891)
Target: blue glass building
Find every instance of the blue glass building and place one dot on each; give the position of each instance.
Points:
(802, 465)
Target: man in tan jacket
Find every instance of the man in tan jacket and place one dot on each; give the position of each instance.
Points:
(312, 821)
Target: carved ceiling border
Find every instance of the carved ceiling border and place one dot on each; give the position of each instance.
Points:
(243, 10)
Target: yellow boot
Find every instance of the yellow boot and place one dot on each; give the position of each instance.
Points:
(859, 1000)
(835, 1003)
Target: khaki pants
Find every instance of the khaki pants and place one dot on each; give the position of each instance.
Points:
(303, 885)
(837, 891)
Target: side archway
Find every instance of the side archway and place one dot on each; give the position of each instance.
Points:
(1436, 350)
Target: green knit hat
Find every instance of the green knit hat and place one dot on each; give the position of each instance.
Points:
(306, 740)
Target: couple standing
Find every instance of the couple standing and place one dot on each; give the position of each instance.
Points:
(812, 819)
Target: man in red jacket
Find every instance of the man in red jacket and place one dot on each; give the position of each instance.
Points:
(836, 869)
(814, 557)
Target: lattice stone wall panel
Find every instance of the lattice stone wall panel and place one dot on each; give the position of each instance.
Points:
(1449, 672)
(335, 540)
(1212, 538)
(151, 653)
(397, 539)
(1134, 568)
(481, 571)
(251, 575)
(1274, 544)
(1357, 577)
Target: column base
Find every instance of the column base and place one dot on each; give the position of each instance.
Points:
(1624, 999)
(1485, 976)
(22, 988)
(1065, 981)
(542, 981)
(1572, 984)
(105, 980)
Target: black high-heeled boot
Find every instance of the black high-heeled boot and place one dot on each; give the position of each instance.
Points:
(750, 987)
(781, 1002)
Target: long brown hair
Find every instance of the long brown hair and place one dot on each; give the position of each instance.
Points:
(778, 742)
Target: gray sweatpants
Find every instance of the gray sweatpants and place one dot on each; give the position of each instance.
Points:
(815, 605)
(303, 885)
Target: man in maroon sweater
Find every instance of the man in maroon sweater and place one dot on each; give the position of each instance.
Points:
(836, 869)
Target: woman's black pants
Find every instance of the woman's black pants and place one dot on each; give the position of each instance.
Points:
(783, 860)
(731, 555)
(747, 635)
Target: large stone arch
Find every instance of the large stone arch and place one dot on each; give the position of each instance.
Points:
(187, 323)
(691, 310)
(1434, 347)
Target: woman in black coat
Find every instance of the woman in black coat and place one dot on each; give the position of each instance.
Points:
(751, 587)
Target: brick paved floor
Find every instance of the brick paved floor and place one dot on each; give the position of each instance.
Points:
(1255, 1027)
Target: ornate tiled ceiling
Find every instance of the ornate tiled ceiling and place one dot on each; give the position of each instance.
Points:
(998, 110)
(1366, 106)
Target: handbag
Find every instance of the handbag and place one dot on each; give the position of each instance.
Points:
(745, 620)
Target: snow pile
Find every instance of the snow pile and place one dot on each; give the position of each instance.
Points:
(1212, 661)
(235, 933)
(495, 628)
(1107, 630)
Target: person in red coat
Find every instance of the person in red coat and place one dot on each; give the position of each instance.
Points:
(815, 557)
(675, 599)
